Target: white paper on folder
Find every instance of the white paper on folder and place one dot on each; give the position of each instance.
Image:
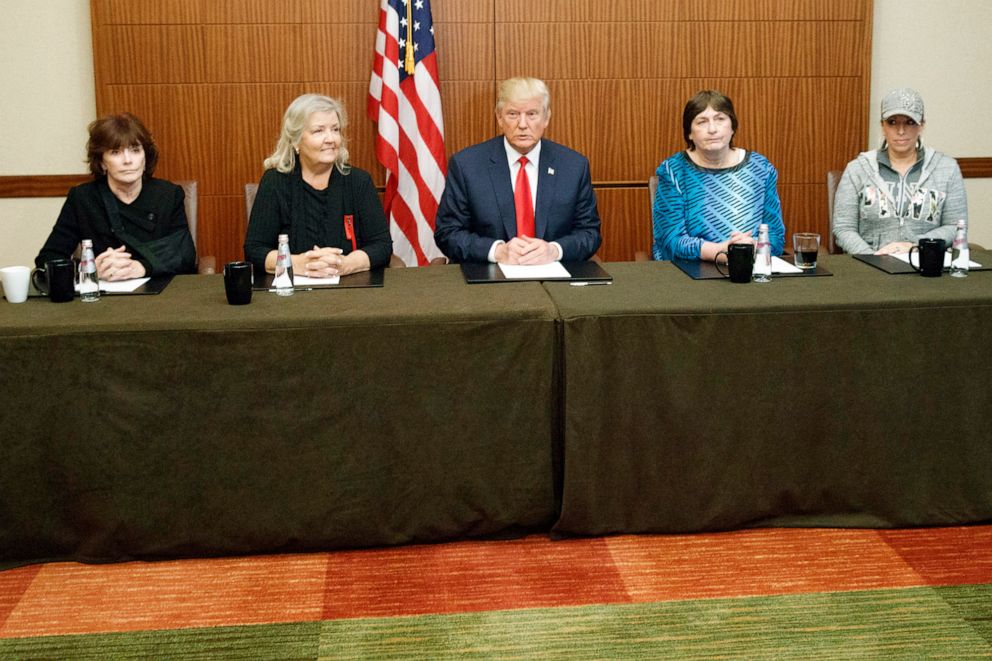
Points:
(304, 281)
(904, 257)
(779, 265)
(120, 286)
(534, 271)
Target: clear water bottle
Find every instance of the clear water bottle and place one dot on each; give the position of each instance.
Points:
(763, 256)
(283, 280)
(960, 255)
(89, 283)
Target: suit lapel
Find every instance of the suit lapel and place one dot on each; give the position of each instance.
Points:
(499, 177)
(546, 182)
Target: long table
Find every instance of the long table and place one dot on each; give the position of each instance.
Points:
(171, 425)
(861, 399)
(176, 425)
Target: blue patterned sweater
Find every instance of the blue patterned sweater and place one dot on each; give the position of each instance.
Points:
(694, 204)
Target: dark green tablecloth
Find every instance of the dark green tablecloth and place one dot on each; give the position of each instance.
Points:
(858, 399)
(176, 424)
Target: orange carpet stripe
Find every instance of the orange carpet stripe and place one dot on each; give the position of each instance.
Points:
(532, 572)
(946, 556)
(757, 563)
(13, 584)
(70, 598)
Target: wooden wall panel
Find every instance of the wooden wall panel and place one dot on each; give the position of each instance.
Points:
(147, 54)
(264, 12)
(162, 12)
(678, 50)
(626, 223)
(225, 233)
(212, 78)
(465, 51)
(337, 52)
(254, 53)
(598, 11)
(804, 207)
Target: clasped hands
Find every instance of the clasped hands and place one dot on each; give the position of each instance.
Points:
(116, 264)
(894, 247)
(526, 250)
(329, 262)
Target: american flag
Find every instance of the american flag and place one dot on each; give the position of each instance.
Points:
(405, 101)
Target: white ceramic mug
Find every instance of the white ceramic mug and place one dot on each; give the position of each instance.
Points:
(15, 283)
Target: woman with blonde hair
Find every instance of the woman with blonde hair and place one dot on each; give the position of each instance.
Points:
(309, 191)
(889, 198)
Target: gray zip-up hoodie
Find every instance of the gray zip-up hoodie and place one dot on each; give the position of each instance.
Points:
(867, 216)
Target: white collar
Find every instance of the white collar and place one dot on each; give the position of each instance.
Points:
(512, 155)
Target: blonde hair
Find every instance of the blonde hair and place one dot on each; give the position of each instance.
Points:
(294, 120)
(520, 89)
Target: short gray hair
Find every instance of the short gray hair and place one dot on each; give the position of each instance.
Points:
(521, 89)
(294, 120)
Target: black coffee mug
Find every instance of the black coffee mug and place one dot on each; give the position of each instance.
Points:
(740, 262)
(238, 281)
(57, 280)
(931, 257)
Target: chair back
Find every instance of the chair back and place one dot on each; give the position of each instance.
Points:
(641, 255)
(250, 190)
(833, 178)
(190, 189)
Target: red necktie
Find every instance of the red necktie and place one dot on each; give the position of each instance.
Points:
(522, 202)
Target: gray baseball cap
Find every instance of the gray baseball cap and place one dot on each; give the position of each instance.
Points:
(903, 101)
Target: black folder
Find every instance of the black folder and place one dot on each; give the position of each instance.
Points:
(701, 270)
(476, 274)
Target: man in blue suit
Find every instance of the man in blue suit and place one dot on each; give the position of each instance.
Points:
(499, 207)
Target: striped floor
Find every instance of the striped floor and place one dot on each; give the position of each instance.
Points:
(777, 593)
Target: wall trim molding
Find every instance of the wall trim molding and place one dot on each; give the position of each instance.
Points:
(40, 185)
(976, 168)
(57, 185)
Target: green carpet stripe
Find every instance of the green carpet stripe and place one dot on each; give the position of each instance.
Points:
(274, 641)
(917, 623)
(973, 603)
(912, 623)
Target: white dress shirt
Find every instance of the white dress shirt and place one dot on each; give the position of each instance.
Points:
(513, 160)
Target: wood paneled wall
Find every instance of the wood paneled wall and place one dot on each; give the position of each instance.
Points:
(211, 79)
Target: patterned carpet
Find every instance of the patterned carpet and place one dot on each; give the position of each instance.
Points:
(760, 594)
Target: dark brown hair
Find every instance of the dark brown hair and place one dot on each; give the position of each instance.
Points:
(114, 132)
(697, 104)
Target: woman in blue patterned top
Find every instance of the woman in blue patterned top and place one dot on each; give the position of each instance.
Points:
(713, 194)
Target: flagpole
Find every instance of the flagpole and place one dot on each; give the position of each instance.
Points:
(409, 64)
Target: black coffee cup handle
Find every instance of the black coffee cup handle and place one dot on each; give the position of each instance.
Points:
(919, 269)
(716, 263)
(41, 284)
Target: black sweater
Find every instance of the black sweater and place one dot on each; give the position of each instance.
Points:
(158, 211)
(285, 204)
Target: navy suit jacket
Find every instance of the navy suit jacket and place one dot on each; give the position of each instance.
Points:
(477, 205)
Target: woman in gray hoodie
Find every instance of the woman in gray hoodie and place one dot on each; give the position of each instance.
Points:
(891, 197)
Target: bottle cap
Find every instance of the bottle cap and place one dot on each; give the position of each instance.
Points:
(283, 237)
(87, 243)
